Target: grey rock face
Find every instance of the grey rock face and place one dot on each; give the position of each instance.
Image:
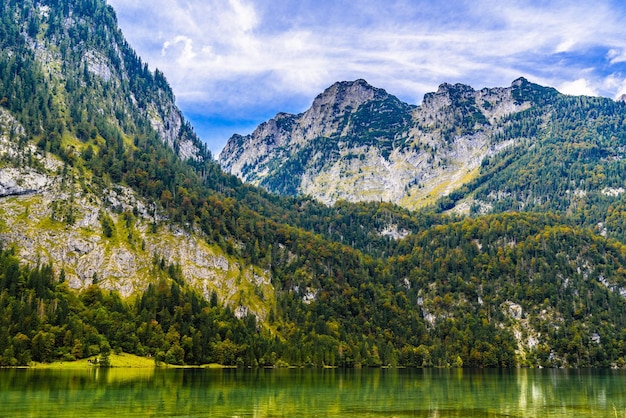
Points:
(168, 121)
(15, 182)
(255, 156)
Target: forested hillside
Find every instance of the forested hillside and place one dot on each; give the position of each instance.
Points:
(572, 163)
(98, 169)
(501, 291)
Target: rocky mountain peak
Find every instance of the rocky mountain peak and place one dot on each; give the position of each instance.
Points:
(445, 96)
(348, 110)
(518, 82)
(329, 110)
(454, 89)
(345, 94)
(335, 102)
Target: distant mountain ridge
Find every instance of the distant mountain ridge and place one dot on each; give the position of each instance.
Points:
(308, 141)
(360, 143)
(525, 148)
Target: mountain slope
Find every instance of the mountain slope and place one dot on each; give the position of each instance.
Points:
(288, 153)
(90, 141)
(572, 164)
(50, 214)
(74, 59)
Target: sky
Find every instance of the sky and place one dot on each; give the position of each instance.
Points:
(234, 64)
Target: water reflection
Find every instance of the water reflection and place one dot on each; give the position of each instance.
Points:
(304, 392)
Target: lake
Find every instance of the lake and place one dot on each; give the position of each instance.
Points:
(312, 392)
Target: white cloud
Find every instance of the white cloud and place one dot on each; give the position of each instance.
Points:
(580, 87)
(245, 16)
(242, 57)
(616, 56)
(616, 83)
(186, 55)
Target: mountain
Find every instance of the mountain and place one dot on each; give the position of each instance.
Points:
(120, 233)
(90, 139)
(525, 147)
(292, 153)
(78, 50)
(359, 143)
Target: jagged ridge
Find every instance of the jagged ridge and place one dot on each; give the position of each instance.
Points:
(360, 143)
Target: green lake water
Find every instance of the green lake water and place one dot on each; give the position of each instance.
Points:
(308, 393)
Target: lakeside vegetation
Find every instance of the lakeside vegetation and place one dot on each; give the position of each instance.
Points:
(121, 360)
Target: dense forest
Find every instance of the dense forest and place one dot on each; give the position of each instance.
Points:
(503, 290)
(499, 291)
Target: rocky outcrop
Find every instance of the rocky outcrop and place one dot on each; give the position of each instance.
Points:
(16, 182)
(168, 121)
(359, 143)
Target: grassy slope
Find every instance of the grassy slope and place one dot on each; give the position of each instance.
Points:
(122, 360)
